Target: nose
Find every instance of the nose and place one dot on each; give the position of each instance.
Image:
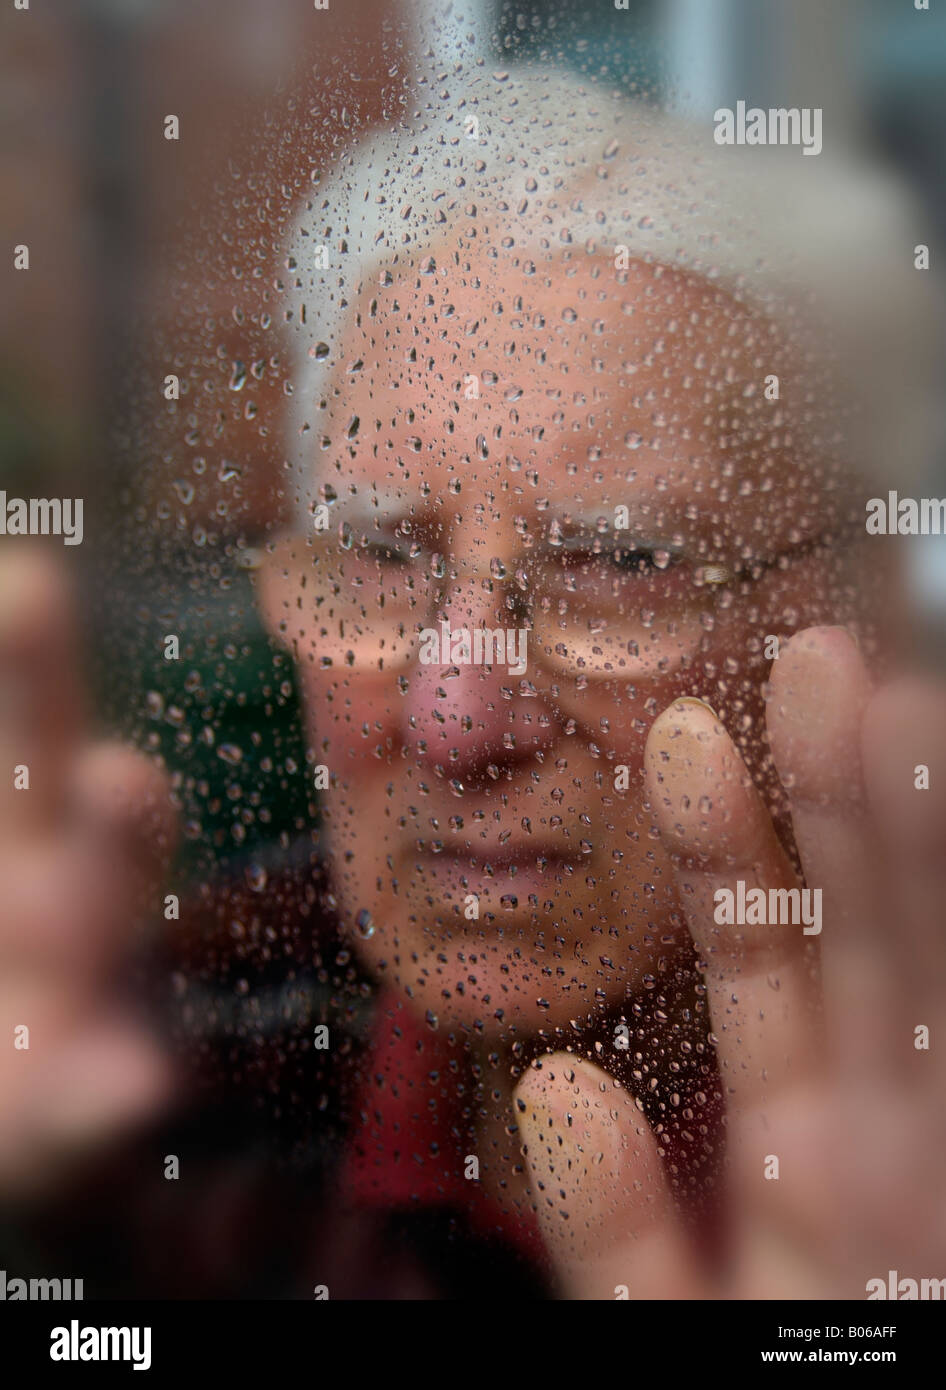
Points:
(468, 718)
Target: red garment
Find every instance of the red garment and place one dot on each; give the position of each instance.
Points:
(408, 1152)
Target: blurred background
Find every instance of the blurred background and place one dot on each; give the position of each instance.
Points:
(152, 257)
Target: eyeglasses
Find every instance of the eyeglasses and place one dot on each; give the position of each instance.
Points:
(603, 607)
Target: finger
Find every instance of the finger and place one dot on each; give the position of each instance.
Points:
(77, 1076)
(72, 896)
(602, 1196)
(65, 909)
(39, 687)
(819, 689)
(760, 979)
(112, 1075)
(124, 798)
(904, 757)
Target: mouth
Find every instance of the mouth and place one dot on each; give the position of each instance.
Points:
(507, 862)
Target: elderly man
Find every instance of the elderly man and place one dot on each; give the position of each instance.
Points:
(568, 378)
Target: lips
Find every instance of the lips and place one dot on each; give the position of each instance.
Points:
(505, 858)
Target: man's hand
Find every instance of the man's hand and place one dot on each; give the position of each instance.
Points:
(81, 852)
(817, 1035)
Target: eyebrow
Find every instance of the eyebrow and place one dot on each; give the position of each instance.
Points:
(590, 519)
(384, 506)
(642, 512)
(389, 507)
(635, 540)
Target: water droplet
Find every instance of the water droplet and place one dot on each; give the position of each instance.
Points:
(256, 877)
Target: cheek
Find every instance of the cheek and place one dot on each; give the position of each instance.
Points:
(346, 718)
(837, 589)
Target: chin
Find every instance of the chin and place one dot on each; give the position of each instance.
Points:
(502, 979)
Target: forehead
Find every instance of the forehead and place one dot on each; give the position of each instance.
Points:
(573, 335)
(570, 383)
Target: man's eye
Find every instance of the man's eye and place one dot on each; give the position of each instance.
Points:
(641, 559)
(626, 559)
(387, 553)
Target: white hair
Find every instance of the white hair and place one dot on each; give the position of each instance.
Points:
(540, 159)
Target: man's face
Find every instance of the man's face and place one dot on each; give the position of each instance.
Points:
(594, 458)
